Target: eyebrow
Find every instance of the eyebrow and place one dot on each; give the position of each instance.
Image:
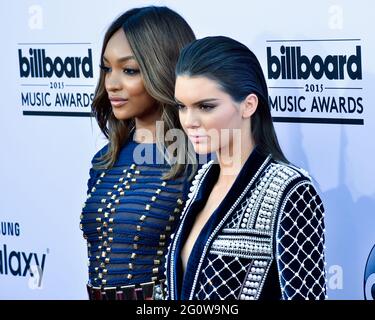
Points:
(199, 102)
(122, 59)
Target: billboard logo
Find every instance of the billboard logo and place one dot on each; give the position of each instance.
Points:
(292, 64)
(38, 65)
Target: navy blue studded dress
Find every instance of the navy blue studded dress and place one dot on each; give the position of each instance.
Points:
(128, 216)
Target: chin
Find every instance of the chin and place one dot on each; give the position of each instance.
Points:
(122, 114)
(202, 148)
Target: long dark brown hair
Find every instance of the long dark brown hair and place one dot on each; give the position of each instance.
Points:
(156, 36)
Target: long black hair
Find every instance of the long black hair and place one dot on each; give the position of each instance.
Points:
(238, 72)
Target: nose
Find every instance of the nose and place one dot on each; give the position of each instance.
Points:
(112, 82)
(190, 119)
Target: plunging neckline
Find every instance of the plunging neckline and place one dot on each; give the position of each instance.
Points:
(206, 219)
(185, 278)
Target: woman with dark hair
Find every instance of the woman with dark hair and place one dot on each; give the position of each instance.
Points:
(135, 190)
(253, 226)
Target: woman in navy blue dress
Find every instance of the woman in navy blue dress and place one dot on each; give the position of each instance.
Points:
(253, 225)
(135, 192)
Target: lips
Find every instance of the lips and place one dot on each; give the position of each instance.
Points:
(196, 138)
(117, 101)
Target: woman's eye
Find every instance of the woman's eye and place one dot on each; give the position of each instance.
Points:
(104, 68)
(180, 106)
(131, 72)
(206, 107)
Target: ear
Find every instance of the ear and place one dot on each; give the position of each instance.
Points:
(250, 105)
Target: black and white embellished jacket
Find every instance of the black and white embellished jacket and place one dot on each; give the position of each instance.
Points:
(264, 241)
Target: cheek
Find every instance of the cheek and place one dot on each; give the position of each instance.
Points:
(135, 87)
(221, 119)
(219, 125)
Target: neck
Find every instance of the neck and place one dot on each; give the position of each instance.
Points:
(145, 128)
(233, 156)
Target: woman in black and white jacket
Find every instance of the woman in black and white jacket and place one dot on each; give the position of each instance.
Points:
(253, 226)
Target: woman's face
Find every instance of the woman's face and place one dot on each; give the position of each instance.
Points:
(123, 80)
(207, 114)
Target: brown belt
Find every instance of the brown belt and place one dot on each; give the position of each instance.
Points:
(142, 291)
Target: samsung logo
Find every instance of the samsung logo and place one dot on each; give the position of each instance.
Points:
(18, 263)
(10, 229)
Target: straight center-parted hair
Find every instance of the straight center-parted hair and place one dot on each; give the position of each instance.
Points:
(238, 73)
(156, 36)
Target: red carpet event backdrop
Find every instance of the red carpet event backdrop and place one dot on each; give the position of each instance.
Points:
(318, 59)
